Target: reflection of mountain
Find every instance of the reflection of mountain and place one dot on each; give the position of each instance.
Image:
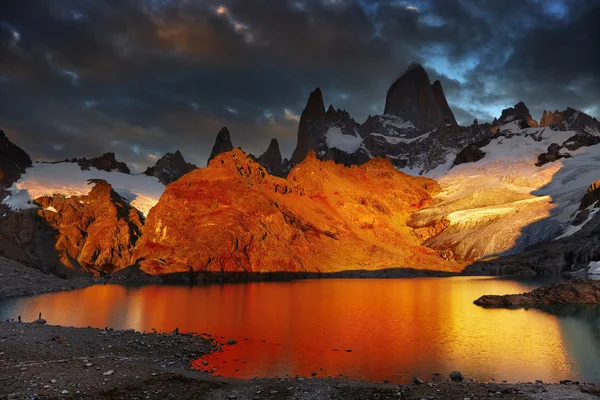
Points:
(507, 189)
(396, 329)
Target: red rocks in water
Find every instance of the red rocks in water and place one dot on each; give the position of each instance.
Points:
(235, 217)
(574, 291)
(96, 232)
(413, 99)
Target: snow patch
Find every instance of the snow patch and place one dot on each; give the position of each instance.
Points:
(67, 179)
(346, 143)
(594, 268)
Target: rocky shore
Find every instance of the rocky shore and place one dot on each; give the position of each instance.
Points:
(18, 280)
(52, 362)
(574, 291)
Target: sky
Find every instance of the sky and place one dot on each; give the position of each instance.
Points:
(144, 77)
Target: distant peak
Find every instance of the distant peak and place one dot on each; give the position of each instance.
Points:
(414, 66)
(222, 143)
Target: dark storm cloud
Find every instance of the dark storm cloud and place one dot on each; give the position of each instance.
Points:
(140, 78)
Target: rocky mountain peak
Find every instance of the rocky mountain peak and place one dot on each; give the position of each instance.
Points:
(311, 127)
(13, 161)
(412, 98)
(443, 103)
(170, 167)
(271, 159)
(222, 144)
(106, 162)
(519, 112)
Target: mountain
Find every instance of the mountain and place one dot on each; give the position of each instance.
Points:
(170, 167)
(13, 161)
(96, 232)
(412, 98)
(323, 217)
(222, 144)
(106, 162)
(271, 159)
(502, 200)
(311, 126)
(418, 131)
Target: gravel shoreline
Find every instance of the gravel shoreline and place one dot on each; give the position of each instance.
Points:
(41, 361)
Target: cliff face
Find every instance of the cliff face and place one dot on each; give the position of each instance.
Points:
(95, 233)
(311, 126)
(413, 99)
(233, 216)
(13, 161)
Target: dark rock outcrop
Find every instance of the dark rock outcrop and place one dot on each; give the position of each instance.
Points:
(312, 126)
(412, 98)
(519, 112)
(443, 103)
(471, 153)
(106, 162)
(575, 291)
(271, 159)
(13, 161)
(551, 155)
(222, 144)
(581, 140)
(591, 196)
(170, 167)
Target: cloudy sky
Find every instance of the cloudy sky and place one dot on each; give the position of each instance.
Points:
(143, 77)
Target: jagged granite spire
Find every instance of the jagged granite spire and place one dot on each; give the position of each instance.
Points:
(438, 92)
(222, 144)
(271, 159)
(311, 126)
(412, 98)
(170, 167)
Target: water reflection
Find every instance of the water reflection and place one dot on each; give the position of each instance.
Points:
(395, 329)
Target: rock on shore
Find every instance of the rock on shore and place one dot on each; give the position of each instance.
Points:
(574, 291)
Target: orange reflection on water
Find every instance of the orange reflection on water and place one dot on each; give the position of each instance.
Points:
(395, 329)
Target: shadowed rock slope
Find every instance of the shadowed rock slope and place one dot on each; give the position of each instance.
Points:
(234, 217)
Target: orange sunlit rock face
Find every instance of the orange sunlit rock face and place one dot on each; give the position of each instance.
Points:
(233, 216)
(96, 232)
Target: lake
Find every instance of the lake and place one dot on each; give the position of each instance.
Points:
(368, 329)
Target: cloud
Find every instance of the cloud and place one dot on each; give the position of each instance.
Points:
(157, 76)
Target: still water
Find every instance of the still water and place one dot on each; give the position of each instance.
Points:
(395, 328)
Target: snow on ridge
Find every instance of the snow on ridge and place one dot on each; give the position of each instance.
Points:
(346, 143)
(396, 140)
(67, 179)
(397, 122)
